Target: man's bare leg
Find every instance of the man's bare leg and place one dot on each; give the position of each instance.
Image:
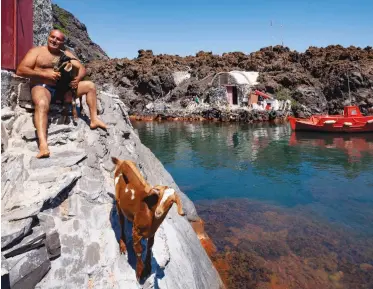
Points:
(41, 98)
(88, 88)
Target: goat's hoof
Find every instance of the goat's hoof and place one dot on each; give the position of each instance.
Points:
(122, 247)
(62, 120)
(146, 273)
(139, 271)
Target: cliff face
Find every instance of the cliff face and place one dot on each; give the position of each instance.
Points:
(77, 35)
(59, 223)
(317, 78)
(42, 10)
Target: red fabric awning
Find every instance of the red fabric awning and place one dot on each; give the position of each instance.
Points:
(257, 92)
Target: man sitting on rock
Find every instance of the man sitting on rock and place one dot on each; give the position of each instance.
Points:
(38, 65)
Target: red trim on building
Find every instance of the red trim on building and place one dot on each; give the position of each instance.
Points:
(16, 31)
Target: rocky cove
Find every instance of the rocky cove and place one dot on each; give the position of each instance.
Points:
(59, 225)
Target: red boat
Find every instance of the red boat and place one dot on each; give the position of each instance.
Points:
(351, 121)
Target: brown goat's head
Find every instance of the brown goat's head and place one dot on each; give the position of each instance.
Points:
(166, 197)
(159, 198)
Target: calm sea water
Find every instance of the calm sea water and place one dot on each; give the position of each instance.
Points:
(309, 184)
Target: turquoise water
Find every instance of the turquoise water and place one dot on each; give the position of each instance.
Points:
(284, 209)
(327, 175)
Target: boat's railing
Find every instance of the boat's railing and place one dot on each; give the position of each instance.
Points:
(342, 121)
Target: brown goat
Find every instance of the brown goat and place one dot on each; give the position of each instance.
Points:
(144, 206)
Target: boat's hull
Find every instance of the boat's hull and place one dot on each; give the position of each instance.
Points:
(337, 124)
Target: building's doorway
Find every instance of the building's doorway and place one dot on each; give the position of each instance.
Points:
(235, 96)
(232, 96)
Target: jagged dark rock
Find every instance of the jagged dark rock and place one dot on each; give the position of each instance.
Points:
(34, 240)
(316, 79)
(5, 282)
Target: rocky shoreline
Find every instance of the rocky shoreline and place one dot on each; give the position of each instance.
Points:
(59, 224)
(214, 114)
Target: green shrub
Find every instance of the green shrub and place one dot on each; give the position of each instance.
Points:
(285, 94)
(62, 15)
(59, 27)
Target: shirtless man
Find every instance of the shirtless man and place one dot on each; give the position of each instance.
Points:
(38, 65)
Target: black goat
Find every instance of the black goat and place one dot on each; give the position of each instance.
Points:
(68, 73)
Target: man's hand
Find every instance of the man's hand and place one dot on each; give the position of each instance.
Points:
(51, 75)
(74, 83)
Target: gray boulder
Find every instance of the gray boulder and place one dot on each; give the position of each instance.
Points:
(26, 270)
(5, 282)
(34, 240)
(4, 138)
(311, 97)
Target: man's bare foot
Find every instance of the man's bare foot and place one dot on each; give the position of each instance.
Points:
(44, 152)
(95, 123)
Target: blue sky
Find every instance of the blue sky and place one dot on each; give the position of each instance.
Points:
(121, 28)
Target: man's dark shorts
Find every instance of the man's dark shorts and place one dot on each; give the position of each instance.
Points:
(52, 89)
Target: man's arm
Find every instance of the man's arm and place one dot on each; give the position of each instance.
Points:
(27, 65)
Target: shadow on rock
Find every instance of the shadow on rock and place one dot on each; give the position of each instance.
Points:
(156, 270)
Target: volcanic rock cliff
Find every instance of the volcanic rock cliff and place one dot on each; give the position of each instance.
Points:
(317, 78)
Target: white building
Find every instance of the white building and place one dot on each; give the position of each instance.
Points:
(238, 84)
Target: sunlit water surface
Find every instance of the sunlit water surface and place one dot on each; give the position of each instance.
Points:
(284, 209)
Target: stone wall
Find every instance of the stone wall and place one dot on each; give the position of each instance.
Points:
(15, 90)
(8, 88)
(43, 18)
